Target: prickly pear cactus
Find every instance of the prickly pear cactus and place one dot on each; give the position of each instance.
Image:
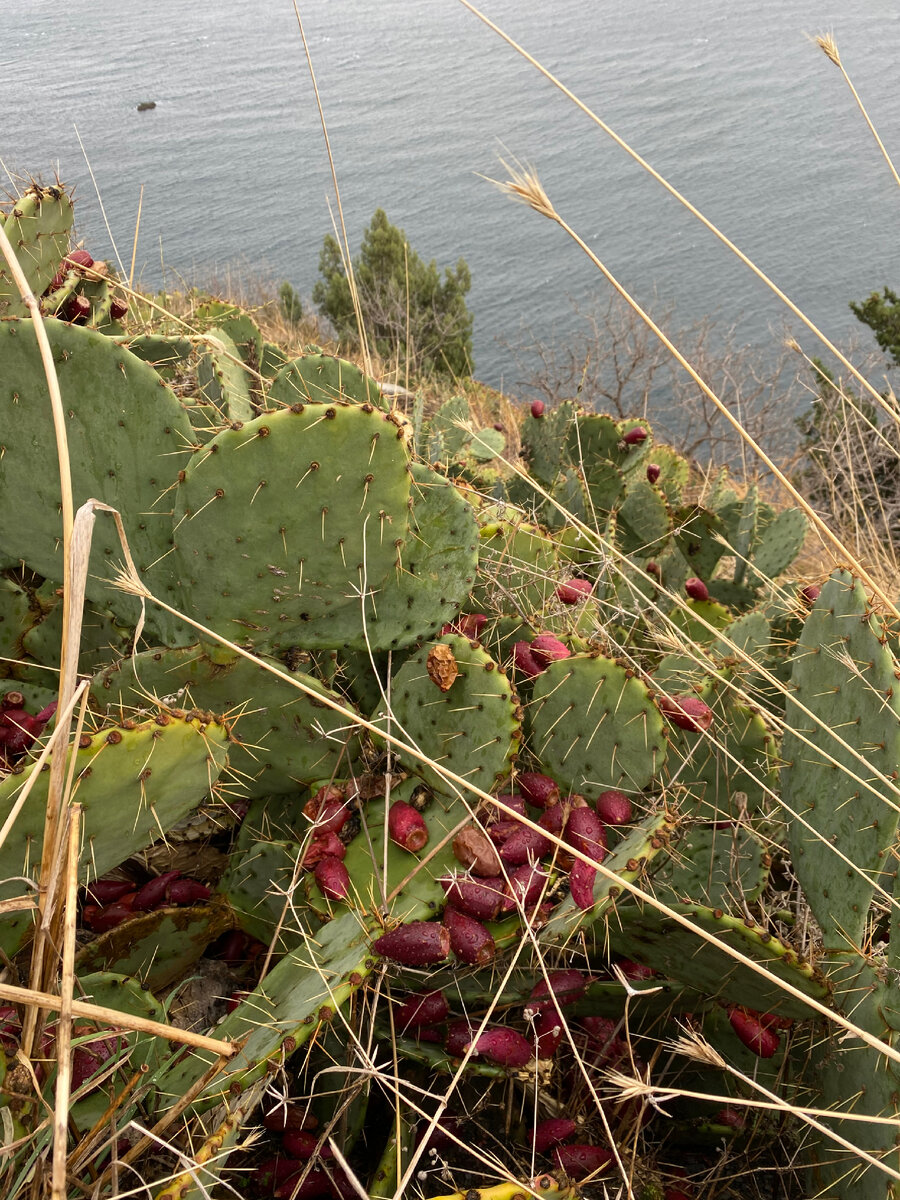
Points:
(38, 224)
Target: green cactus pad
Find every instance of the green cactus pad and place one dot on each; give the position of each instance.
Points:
(688, 621)
(134, 784)
(323, 379)
(472, 729)
(593, 726)
(439, 563)
(127, 435)
(719, 867)
(779, 544)
(218, 315)
(165, 353)
(517, 568)
(103, 638)
(643, 523)
(281, 738)
(646, 935)
(38, 226)
(543, 440)
(305, 988)
(158, 948)
(18, 614)
(742, 535)
(844, 675)
(750, 633)
(283, 522)
(674, 472)
(261, 886)
(222, 380)
(697, 534)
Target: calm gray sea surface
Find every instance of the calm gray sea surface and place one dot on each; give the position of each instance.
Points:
(730, 101)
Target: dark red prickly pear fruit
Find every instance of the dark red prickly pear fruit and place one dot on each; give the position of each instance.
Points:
(512, 802)
(547, 649)
(687, 712)
(316, 1183)
(89, 1058)
(440, 1135)
(558, 987)
(153, 894)
(328, 808)
(635, 436)
(733, 1117)
(270, 1173)
(635, 970)
(459, 1035)
(578, 1161)
(548, 1033)
(325, 844)
(407, 827)
(751, 1031)
(106, 891)
(506, 1047)
(424, 1008)
(76, 309)
(539, 790)
(537, 408)
(551, 1132)
(235, 1000)
(653, 472)
(470, 941)
(300, 1144)
(118, 309)
(525, 886)
(774, 1021)
(101, 920)
(470, 625)
(332, 877)
(696, 588)
(584, 831)
(524, 845)
(602, 1034)
(653, 568)
(614, 808)
(574, 590)
(677, 1193)
(478, 898)
(501, 831)
(474, 849)
(77, 258)
(416, 944)
(291, 1116)
(525, 661)
(810, 593)
(236, 948)
(431, 1033)
(186, 891)
(581, 884)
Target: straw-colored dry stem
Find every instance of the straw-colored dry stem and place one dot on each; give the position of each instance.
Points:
(64, 1021)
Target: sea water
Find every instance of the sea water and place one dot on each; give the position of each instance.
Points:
(732, 102)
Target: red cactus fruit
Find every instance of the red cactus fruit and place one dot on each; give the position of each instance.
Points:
(696, 588)
(581, 884)
(106, 891)
(332, 877)
(101, 920)
(579, 1160)
(474, 849)
(537, 408)
(317, 1183)
(431, 1033)
(301, 1144)
(407, 827)
(607, 1047)
(635, 970)
(501, 831)
(553, 819)
(774, 1021)
(328, 808)
(574, 590)
(525, 661)
(751, 1031)
(687, 712)
(557, 987)
(732, 1117)
(810, 593)
(653, 568)
(635, 436)
(77, 309)
(422, 1008)
(325, 844)
(551, 1132)
(186, 891)
(440, 1135)
(235, 1000)
(270, 1174)
(416, 944)
(470, 625)
(547, 649)
(539, 790)
(524, 845)
(677, 1193)
(290, 1116)
(548, 1033)
(459, 1035)
(584, 831)
(470, 941)
(506, 1047)
(77, 258)
(653, 472)
(614, 808)
(478, 898)
(90, 1057)
(514, 802)
(118, 309)
(525, 886)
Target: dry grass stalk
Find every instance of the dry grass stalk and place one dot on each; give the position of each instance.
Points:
(64, 1021)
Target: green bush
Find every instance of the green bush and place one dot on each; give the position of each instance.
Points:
(410, 313)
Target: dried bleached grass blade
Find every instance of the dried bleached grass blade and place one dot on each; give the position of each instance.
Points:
(64, 1022)
(828, 46)
(524, 185)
